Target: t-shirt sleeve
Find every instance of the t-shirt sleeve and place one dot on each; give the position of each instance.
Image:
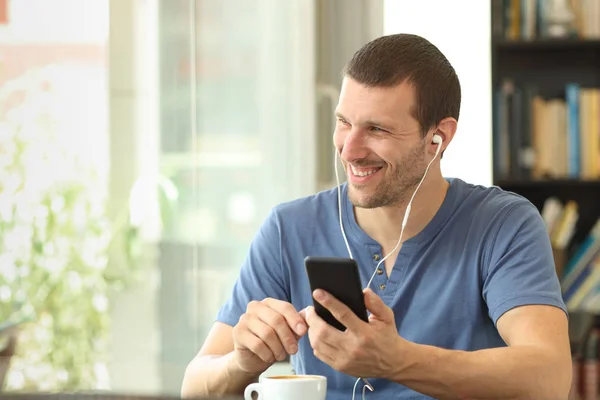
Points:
(521, 269)
(261, 274)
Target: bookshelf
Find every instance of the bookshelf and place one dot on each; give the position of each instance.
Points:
(546, 143)
(546, 146)
(546, 106)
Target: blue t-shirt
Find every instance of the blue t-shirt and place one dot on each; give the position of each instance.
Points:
(484, 252)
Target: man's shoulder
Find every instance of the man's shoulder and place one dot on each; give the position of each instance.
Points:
(493, 202)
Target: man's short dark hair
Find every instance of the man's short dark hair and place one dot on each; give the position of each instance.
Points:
(393, 59)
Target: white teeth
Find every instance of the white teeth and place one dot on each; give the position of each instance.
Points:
(364, 173)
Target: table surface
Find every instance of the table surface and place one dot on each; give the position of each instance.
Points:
(99, 396)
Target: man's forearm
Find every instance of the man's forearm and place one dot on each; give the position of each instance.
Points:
(499, 373)
(214, 375)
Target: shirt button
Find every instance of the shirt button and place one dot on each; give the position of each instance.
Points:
(376, 257)
(379, 271)
(382, 286)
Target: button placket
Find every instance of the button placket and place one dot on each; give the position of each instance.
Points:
(381, 279)
(398, 274)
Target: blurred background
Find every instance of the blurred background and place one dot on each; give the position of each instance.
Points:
(142, 142)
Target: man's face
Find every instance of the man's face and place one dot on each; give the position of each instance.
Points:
(382, 150)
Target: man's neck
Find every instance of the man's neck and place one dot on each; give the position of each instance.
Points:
(384, 224)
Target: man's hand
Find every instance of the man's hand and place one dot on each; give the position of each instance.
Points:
(363, 349)
(267, 332)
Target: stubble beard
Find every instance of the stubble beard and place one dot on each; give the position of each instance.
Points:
(395, 190)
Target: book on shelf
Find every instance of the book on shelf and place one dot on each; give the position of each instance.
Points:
(579, 270)
(580, 273)
(546, 138)
(585, 355)
(539, 19)
(560, 220)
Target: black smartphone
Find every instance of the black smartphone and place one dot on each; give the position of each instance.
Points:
(340, 277)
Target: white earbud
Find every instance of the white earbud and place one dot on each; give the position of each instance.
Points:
(437, 139)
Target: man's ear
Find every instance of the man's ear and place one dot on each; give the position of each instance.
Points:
(446, 130)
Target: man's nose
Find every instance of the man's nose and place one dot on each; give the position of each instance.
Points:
(354, 146)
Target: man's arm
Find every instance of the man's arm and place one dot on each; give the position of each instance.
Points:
(523, 295)
(214, 371)
(535, 365)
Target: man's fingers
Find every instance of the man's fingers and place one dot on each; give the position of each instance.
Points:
(278, 322)
(321, 331)
(325, 352)
(339, 310)
(254, 344)
(377, 307)
(303, 313)
(293, 318)
(322, 337)
(269, 337)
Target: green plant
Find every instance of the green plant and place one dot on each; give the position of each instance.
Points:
(55, 244)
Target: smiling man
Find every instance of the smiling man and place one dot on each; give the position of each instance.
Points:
(467, 304)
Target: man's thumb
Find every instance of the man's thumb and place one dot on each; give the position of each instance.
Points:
(377, 307)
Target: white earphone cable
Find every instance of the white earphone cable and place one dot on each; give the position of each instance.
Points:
(337, 179)
(406, 214)
(404, 222)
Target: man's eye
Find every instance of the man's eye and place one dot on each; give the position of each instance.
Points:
(377, 129)
(342, 121)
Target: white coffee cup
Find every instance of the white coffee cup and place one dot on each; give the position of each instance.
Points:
(289, 387)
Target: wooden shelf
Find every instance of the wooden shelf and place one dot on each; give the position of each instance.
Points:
(557, 184)
(546, 44)
(548, 63)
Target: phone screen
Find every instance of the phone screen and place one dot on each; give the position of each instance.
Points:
(340, 278)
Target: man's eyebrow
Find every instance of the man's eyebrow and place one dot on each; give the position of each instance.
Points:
(366, 123)
(339, 115)
(378, 124)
